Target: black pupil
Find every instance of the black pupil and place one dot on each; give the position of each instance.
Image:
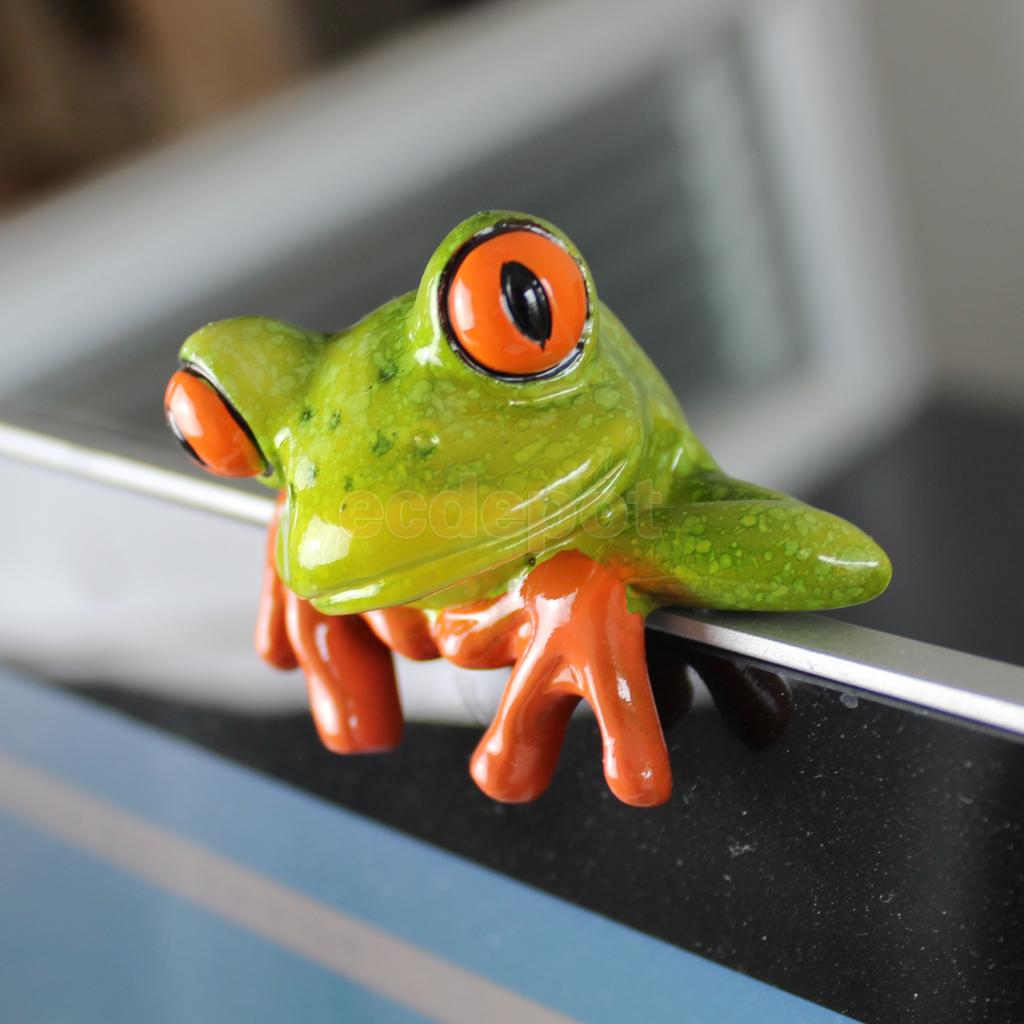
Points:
(526, 302)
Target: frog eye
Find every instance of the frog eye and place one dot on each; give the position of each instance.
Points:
(516, 304)
(208, 427)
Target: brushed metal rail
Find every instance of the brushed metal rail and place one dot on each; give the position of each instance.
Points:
(130, 473)
(936, 678)
(980, 690)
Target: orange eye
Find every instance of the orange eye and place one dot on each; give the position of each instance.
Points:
(209, 429)
(517, 304)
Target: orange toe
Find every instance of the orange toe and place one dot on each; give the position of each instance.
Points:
(405, 630)
(583, 643)
(351, 680)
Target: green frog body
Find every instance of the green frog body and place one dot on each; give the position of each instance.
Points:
(491, 469)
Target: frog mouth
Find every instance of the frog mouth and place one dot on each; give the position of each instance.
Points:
(209, 427)
(424, 578)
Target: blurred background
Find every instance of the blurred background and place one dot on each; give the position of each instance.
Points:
(807, 211)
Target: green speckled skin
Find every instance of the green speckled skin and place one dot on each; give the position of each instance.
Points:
(413, 478)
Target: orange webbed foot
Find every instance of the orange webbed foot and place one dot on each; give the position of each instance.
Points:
(350, 676)
(582, 642)
(349, 673)
(405, 631)
(271, 635)
(486, 634)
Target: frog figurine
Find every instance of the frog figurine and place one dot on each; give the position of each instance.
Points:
(491, 470)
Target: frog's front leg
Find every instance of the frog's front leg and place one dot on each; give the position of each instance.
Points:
(350, 676)
(724, 543)
(582, 642)
(349, 673)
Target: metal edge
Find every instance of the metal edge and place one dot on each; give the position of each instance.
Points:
(130, 474)
(966, 686)
(978, 689)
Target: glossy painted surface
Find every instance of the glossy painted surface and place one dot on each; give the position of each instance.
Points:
(351, 680)
(462, 448)
(581, 641)
(207, 428)
(533, 322)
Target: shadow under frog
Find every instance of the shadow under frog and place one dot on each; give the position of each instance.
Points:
(491, 470)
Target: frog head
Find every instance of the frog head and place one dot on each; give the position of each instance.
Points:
(449, 436)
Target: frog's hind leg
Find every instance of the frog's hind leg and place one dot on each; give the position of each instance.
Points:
(583, 643)
(348, 670)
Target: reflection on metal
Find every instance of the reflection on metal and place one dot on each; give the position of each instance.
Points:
(981, 690)
(131, 474)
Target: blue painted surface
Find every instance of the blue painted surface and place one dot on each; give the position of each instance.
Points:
(542, 947)
(82, 942)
